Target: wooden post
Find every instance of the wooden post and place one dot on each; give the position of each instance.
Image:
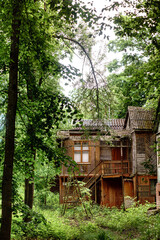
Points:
(60, 189)
(137, 194)
(102, 192)
(122, 176)
(95, 191)
(102, 168)
(95, 188)
(128, 159)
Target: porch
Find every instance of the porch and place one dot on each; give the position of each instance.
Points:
(102, 168)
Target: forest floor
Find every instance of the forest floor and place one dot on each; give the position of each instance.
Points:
(100, 223)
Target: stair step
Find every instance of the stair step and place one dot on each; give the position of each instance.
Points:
(91, 181)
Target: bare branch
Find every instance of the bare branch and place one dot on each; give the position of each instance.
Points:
(92, 67)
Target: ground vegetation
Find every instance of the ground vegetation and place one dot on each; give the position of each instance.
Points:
(103, 224)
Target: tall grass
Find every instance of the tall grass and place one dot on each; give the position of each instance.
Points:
(103, 224)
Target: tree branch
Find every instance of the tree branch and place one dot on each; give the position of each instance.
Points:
(92, 67)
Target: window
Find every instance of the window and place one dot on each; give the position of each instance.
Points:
(153, 183)
(81, 152)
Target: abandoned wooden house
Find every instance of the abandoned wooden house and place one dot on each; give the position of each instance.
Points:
(115, 159)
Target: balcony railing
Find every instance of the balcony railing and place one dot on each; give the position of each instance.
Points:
(102, 168)
(115, 167)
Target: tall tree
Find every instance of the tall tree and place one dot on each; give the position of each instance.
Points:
(41, 53)
(10, 123)
(127, 78)
(27, 13)
(135, 78)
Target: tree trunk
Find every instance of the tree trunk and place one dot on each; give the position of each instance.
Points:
(29, 182)
(29, 190)
(10, 126)
(29, 187)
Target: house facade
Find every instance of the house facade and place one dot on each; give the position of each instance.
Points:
(115, 159)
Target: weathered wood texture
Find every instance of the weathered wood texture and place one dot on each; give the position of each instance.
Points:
(112, 192)
(120, 161)
(143, 151)
(100, 151)
(146, 188)
(128, 188)
(85, 168)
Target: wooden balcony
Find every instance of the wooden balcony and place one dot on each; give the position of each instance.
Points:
(115, 167)
(104, 168)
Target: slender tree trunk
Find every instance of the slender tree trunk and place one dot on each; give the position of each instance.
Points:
(10, 127)
(29, 187)
(29, 182)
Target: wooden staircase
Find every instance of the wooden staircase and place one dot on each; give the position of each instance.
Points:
(72, 197)
(72, 193)
(109, 168)
(93, 176)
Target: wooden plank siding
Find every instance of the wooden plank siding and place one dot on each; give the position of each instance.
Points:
(112, 192)
(110, 157)
(119, 151)
(145, 151)
(147, 188)
(113, 161)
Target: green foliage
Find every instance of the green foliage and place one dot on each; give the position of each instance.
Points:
(87, 101)
(134, 79)
(149, 166)
(106, 223)
(133, 220)
(42, 108)
(85, 192)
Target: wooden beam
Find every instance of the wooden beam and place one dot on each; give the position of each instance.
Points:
(60, 190)
(102, 192)
(122, 177)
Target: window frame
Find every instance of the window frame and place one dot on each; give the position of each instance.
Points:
(150, 190)
(81, 151)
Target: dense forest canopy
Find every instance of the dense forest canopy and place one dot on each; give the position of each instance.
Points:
(33, 42)
(138, 39)
(36, 36)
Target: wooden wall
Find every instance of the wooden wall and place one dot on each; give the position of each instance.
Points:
(109, 190)
(84, 168)
(112, 192)
(145, 189)
(142, 150)
(128, 188)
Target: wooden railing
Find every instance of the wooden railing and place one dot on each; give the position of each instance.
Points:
(115, 167)
(93, 175)
(106, 168)
(80, 169)
(102, 168)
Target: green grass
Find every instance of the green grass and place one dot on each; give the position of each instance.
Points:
(103, 224)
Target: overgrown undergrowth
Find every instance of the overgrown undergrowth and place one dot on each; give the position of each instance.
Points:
(102, 223)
